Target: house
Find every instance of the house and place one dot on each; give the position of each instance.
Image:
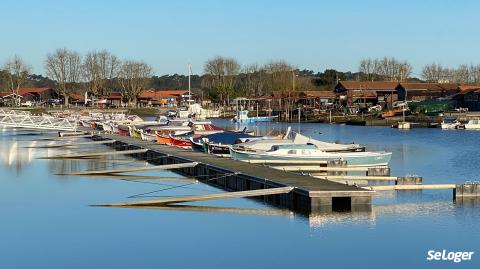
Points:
(8, 98)
(115, 99)
(425, 91)
(318, 98)
(77, 99)
(374, 92)
(468, 97)
(162, 97)
(37, 94)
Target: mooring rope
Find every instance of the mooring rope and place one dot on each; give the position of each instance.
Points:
(177, 186)
(162, 184)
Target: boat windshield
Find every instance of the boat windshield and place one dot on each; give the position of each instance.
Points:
(273, 148)
(449, 120)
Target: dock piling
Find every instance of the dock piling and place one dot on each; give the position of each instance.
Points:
(409, 180)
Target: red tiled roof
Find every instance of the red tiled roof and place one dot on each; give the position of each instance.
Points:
(77, 96)
(468, 88)
(23, 91)
(152, 94)
(369, 85)
(2, 94)
(114, 95)
(430, 86)
(421, 86)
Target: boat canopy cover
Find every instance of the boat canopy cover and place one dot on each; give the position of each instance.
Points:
(224, 138)
(449, 119)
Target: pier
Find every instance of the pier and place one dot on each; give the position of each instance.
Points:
(305, 193)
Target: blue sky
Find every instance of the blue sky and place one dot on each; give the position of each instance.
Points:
(309, 34)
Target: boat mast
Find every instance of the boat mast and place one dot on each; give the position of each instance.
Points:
(189, 84)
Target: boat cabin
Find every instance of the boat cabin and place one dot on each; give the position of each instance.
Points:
(294, 149)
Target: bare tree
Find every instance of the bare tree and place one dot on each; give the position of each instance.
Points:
(64, 67)
(16, 72)
(254, 80)
(405, 70)
(437, 73)
(134, 76)
(222, 75)
(280, 76)
(384, 69)
(99, 68)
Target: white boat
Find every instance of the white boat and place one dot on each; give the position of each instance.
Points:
(265, 143)
(473, 124)
(449, 123)
(404, 125)
(196, 111)
(148, 137)
(107, 127)
(309, 153)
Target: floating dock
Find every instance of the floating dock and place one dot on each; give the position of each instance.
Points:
(306, 193)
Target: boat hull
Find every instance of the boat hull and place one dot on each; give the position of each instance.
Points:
(353, 159)
(161, 139)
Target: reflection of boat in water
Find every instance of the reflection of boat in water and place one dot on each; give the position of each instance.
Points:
(310, 153)
(243, 118)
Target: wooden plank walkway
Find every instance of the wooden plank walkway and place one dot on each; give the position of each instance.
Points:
(311, 186)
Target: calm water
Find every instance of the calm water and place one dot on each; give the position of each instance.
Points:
(46, 220)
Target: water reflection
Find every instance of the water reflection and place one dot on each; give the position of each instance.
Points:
(220, 209)
(20, 154)
(14, 156)
(318, 220)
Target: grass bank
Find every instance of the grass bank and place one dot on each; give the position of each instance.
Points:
(147, 111)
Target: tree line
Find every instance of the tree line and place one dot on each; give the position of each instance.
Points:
(224, 78)
(467, 74)
(392, 69)
(101, 72)
(98, 72)
(384, 69)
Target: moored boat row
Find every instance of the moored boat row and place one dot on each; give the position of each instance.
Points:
(242, 145)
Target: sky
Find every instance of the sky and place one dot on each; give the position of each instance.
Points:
(314, 35)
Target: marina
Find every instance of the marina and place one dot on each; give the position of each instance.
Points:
(239, 134)
(371, 207)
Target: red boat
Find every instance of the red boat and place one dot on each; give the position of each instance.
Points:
(180, 142)
(162, 139)
(123, 130)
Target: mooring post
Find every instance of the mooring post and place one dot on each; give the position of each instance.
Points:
(378, 171)
(467, 190)
(337, 163)
(409, 180)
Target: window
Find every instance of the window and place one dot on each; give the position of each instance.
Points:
(292, 151)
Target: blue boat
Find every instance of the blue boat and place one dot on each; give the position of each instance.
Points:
(218, 143)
